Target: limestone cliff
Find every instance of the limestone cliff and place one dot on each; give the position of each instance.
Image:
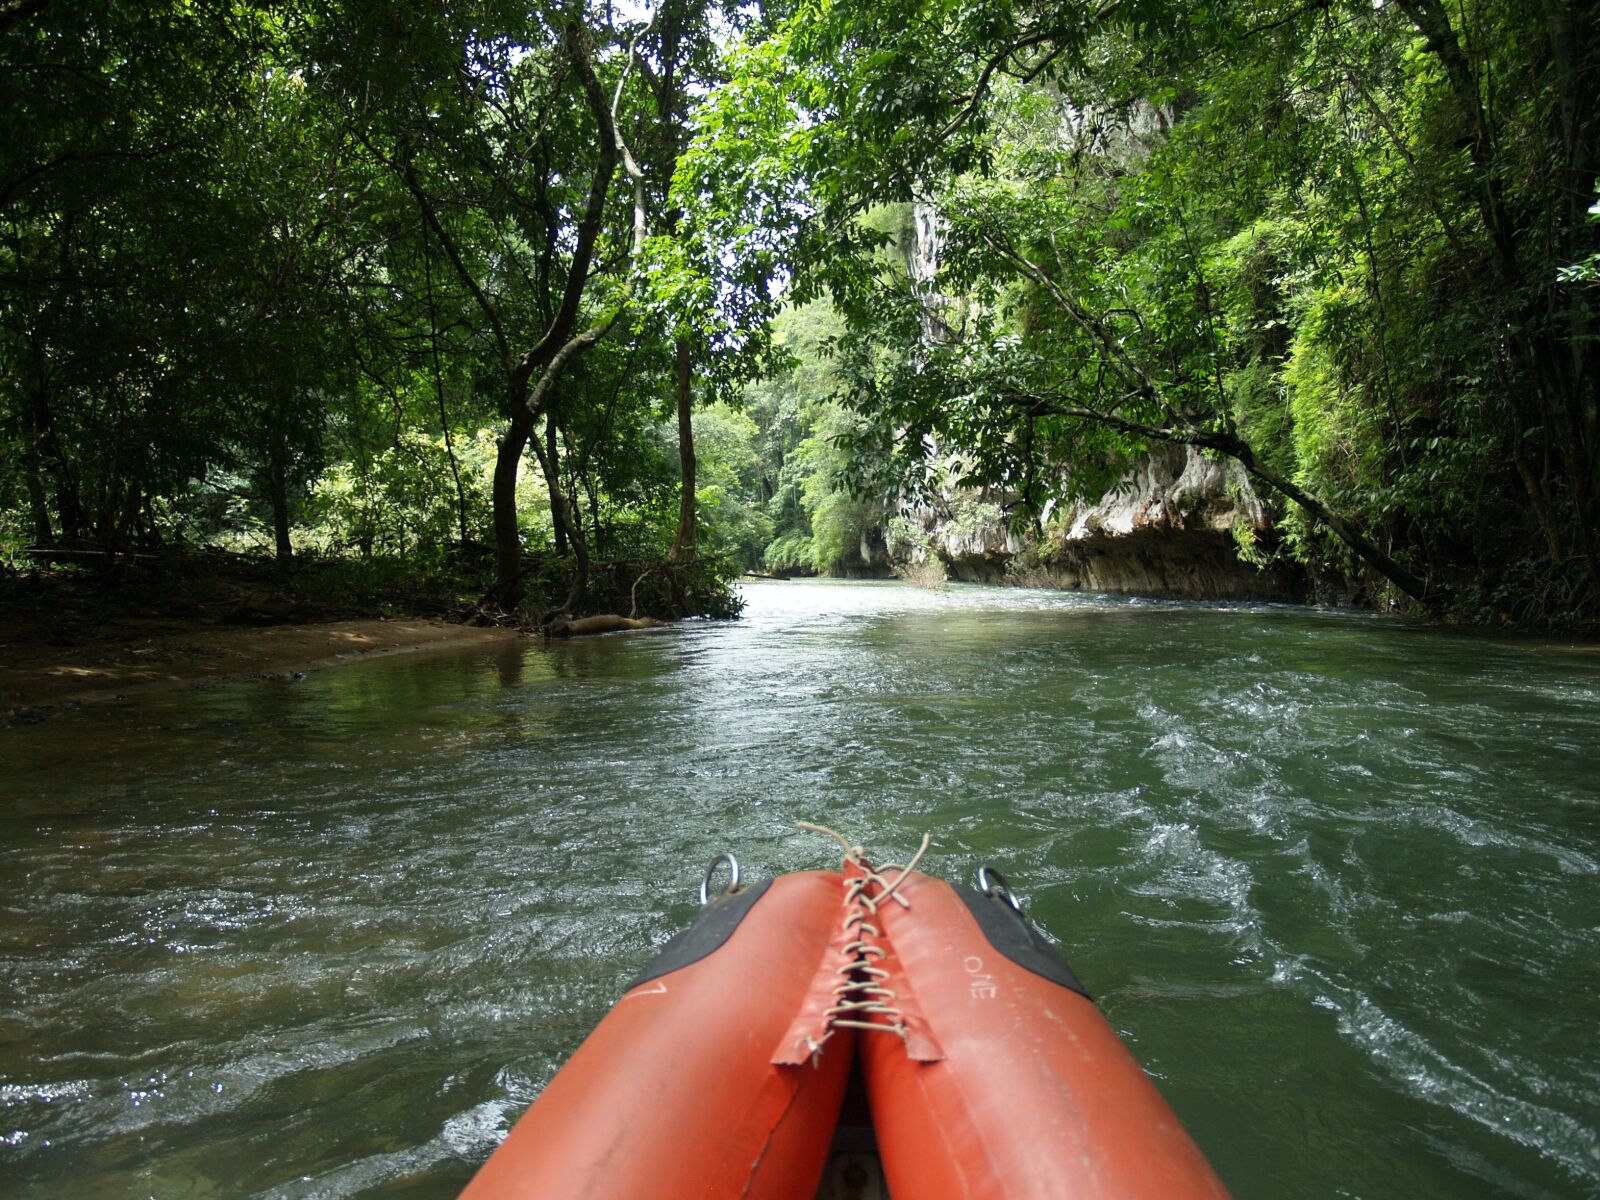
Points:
(1167, 529)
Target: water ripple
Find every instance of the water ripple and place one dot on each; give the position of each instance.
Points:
(1334, 877)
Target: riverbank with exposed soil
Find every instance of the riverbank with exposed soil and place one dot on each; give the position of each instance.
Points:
(68, 637)
(135, 655)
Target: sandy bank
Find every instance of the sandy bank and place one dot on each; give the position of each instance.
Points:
(35, 673)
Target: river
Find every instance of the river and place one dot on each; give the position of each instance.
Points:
(1335, 878)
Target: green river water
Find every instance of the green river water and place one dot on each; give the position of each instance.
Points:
(1336, 879)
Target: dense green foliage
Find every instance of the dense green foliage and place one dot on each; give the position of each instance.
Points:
(817, 524)
(498, 286)
(1349, 245)
(324, 275)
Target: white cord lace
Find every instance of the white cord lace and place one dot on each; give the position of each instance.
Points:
(863, 999)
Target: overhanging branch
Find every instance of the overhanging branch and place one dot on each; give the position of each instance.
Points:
(1038, 405)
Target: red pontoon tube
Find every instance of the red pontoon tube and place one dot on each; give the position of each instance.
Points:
(674, 1095)
(988, 1072)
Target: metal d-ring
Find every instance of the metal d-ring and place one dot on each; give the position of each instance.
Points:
(733, 878)
(1001, 887)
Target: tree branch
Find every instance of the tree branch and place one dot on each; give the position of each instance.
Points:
(998, 61)
(573, 347)
(1109, 345)
(589, 225)
(17, 11)
(628, 163)
(1235, 448)
(431, 218)
(15, 188)
(1433, 22)
(981, 88)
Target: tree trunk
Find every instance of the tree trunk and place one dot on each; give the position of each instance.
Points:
(1557, 371)
(565, 520)
(553, 450)
(532, 376)
(594, 519)
(1408, 582)
(69, 503)
(123, 538)
(38, 503)
(507, 539)
(278, 496)
(438, 388)
(683, 544)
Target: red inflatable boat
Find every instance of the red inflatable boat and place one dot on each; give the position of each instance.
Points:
(853, 1035)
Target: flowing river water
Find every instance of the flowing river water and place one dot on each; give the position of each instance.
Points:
(1336, 879)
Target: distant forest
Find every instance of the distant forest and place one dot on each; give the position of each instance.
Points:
(594, 306)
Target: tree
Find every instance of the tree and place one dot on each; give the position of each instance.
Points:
(144, 167)
(486, 125)
(1098, 173)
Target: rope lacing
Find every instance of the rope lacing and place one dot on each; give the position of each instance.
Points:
(863, 1000)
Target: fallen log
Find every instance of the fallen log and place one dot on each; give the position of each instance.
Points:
(600, 623)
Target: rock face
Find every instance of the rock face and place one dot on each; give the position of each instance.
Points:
(1166, 530)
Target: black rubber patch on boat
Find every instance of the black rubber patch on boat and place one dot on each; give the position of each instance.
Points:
(1014, 936)
(711, 928)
